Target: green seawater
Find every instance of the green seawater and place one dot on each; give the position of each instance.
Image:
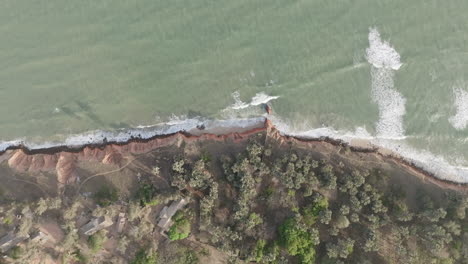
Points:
(68, 67)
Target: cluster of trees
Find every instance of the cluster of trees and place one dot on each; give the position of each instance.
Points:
(243, 174)
(360, 202)
(181, 226)
(198, 180)
(279, 206)
(299, 240)
(295, 172)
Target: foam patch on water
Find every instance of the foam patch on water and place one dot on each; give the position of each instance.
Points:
(385, 60)
(380, 53)
(390, 102)
(460, 120)
(238, 104)
(262, 98)
(258, 99)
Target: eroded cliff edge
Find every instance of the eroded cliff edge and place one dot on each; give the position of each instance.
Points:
(64, 160)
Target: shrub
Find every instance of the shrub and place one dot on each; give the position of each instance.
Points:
(106, 196)
(144, 257)
(259, 250)
(16, 252)
(181, 227)
(297, 241)
(96, 241)
(254, 220)
(312, 212)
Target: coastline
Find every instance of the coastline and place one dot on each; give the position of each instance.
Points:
(63, 158)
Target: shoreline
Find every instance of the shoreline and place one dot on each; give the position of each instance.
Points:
(23, 158)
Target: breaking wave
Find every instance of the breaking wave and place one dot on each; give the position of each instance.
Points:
(385, 61)
(258, 99)
(380, 53)
(191, 125)
(460, 120)
(434, 164)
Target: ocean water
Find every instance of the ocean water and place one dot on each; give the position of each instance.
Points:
(392, 72)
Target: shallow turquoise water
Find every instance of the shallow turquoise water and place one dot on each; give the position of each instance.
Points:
(70, 67)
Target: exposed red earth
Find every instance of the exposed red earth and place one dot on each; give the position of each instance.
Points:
(63, 160)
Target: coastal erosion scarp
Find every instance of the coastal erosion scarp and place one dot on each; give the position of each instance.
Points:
(63, 160)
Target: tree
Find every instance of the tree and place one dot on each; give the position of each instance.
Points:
(207, 203)
(253, 221)
(378, 207)
(325, 216)
(435, 238)
(16, 252)
(401, 211)
(178, 166)
(354, 218)
(328, 177)
(342, 222)
(344, 209)
(181, 227)
(342, 249)
(70, 213)
(41, 207)
(156, 171)
(433, 215)
(259, 250)
(271, 253)
(371, 241)
(297, 241)
(453, 227)
(356, 205)
(311, 212)
(25, 225)
(200, 178)
(26, 221)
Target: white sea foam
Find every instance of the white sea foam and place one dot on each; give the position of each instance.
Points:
(6, 144)
(460, 120)
(238, 104)
(385, 60)
(123, 135)
(435, 164)
(262, 98)
(390, 102)
(258, 99)
(380, 53)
